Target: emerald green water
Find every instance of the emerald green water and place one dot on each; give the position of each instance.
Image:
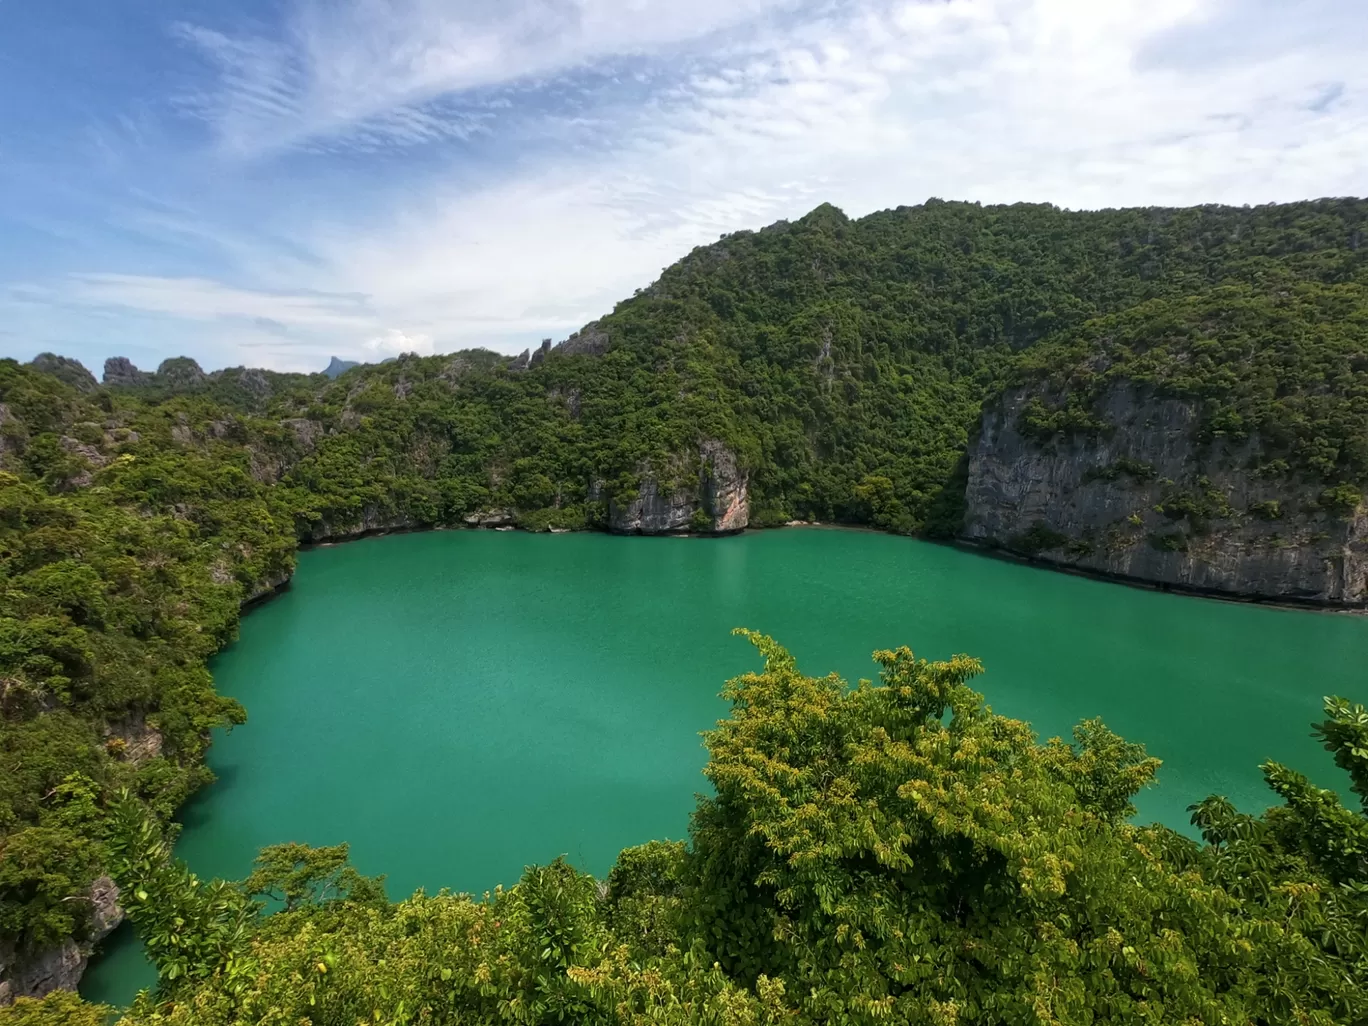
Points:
(459, 704)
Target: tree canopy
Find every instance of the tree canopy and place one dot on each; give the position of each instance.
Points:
(888, 852)
(845, 364)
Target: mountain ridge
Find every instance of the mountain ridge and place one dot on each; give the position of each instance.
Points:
(825, 369)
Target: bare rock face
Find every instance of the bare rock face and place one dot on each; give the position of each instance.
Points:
(105, 911)
(654, 511)
(455, 369)
(306, 432)
(255, 382)
(60, 968)
(1149, 502)
(368, 521)
(491, 518)
(265, 589)
(73, 372)
(90, 453)
(726, 490)
(134, 741)
(181, 372)
(590, 340)
(336, 367)
(711, 499)
(119, 370)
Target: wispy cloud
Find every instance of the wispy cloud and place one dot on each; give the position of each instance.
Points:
(197, 299)
(366, 71)
(440, 174)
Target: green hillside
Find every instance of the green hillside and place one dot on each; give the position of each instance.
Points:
(844, 364)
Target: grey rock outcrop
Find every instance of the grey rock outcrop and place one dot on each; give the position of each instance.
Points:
(710, 497)
(268, 587)
(181, 372)
(133, 741)
(90, 453)
(306, 432)
(119, 370)
(181, 432)
(255, 381)
(337, 367)
(590, 340)
(1150, 502)
(368, 521)
(73, 372)
(454, 370)
(61, 967)
(105, 911)
(491, 518)
(58, 968)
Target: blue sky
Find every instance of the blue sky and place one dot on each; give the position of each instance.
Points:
(271, 182)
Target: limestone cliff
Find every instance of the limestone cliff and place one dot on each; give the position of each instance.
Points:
(707, 495)
(35, 974)
(1145, 496)
(72, 372)
(119, 370)
(370, 520)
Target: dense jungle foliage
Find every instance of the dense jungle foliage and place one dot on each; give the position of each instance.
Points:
(879, 854)
(1287, 367)
(844, 363)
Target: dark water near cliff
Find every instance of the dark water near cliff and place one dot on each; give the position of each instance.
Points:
(459, 704)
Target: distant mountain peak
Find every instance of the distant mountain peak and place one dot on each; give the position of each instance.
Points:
(337, 367)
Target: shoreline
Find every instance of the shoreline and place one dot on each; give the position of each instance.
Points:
(271, 591)
(1165, 587)
(964, 545)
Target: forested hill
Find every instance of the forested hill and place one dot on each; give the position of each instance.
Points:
(826, 369)
(844, 363)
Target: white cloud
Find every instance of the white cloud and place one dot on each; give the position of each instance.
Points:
(868, 105)
(362, 70)
(999, 101)
(198, 299)
(393, 342)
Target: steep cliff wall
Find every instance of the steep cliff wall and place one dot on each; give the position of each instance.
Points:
(1141, 495)
(34, 974)
(714, 498)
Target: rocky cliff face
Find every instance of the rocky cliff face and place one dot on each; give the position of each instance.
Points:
(1146, 499)
(592, 340)
(119, 370)
(714, 500)
(60, 968)
(369, 521)
(73, 372)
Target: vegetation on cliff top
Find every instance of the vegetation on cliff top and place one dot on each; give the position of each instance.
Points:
(843, 362)
(1286, 368)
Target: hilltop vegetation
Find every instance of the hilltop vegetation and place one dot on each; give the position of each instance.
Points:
(1286, 367)
(844, 364)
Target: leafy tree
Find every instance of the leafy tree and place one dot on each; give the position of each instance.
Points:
(291, 874)
(892, 852)
(60, 1008)
(845, 364)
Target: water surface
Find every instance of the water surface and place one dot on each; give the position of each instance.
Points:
(457, 705)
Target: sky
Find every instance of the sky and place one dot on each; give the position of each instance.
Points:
(274, 182)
